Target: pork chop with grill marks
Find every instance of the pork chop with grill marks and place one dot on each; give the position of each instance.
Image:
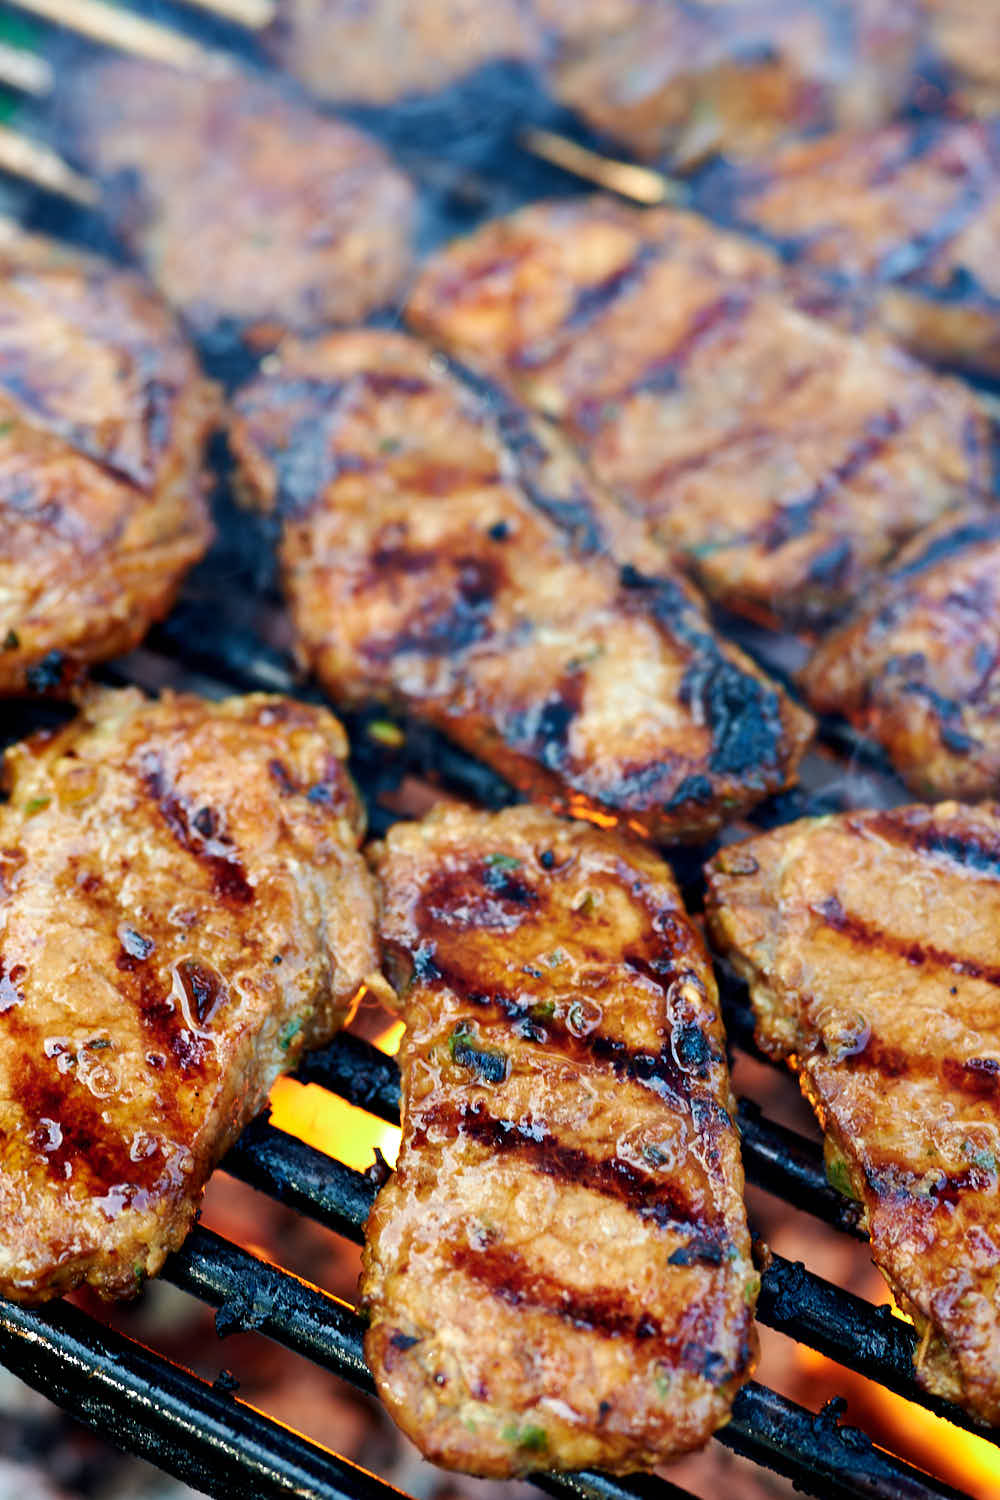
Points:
(444, 554)
(183, 909)
(680, 80)
(104, 417)
(779, 458)
(558, 1275)
(916, 666)
(908, 215)
(247, 208)
(869, 941)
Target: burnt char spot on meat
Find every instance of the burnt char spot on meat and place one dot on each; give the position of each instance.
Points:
(510, 1280)
(66, 1131)
(204, 988)
(795, 520)
(465, 619)
(979, 1076)
(572, 513)
(949, 546)
(866, 934)
(228, 876)
(890, 1180)
(971, 850)
(742, 712)
(483, 895)
(543, 731)
(662, 1203)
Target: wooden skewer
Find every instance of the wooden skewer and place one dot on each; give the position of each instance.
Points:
(42, 166)
(253, 14)
(23, 70)
(115, 26)
(641, 184)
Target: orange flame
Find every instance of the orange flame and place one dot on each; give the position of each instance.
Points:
(960, 1458)
(330, 1124)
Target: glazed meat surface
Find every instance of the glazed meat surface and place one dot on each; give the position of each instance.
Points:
(680, 80)
(445, 556)
(246, 208)
(391, 49)
(183, 909)
(910, 213)
(104, 417)
(780, 459)
(965, 36)
(916, 666)
(558, 1275)
(869, 941)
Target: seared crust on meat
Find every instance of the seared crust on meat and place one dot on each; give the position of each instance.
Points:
(104, 417)
(558, 1275)
(246, 207)
(869, 941)
(682, 80)
(182, 910)
(444, 555)
(909, 214)
(917, 667)
(387, 50)
(781, 459)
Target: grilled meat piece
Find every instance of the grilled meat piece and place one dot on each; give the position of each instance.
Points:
(426, 566)
(388, 50)
(965, 36)
(559, 1274)
(869, 941)
(916, 666)
(909, 215)
(182, 910)
(246, 207)
(104, 416)
(779, 458)
(682, 80)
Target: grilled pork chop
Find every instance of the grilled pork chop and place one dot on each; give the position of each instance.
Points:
(676, 79)
(104, 417)
(781, 459)
(182, 910)
(869, 941)
(445, 556)
(386, 50)
(916, 666)
(559, 1273)
(246, 207)
(909, 215)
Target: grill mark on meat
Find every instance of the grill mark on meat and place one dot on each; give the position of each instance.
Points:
(952, 545)
(742, 713)
(466, 621)
(662, 1203)
(66, 1132)
(505, 1274)
(866, 934)
(976, 1076)
(662, 373)
(794, 520)
(923, 836)
(592, 301)
(228, 876)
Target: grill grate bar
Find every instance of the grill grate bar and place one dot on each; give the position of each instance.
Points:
(814, 1451)
(144, 1404)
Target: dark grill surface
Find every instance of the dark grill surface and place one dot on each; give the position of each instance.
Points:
(228, 635)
